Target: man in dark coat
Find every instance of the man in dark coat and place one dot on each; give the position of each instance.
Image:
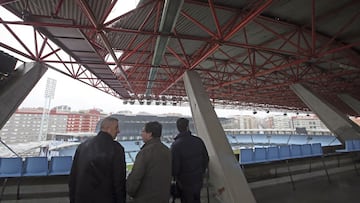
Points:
(98, 173)
(150, 177)
(189, 162)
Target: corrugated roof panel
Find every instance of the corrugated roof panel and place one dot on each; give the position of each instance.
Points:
(120, 41)
(265, 39)
(191, 45)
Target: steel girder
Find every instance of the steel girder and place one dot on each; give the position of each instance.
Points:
(243, 52)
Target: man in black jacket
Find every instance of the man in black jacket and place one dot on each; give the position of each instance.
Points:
(98, 171)
(189, 162)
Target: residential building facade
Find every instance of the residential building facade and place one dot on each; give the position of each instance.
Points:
(24, 125)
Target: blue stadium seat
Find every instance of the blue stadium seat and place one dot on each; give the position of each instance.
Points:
(306, 150)
(295, 151)
(259, 155)
(316, 149)
(273, 154)
(348, 146)
(10, 167)
(60, 165)
(284, 152)
(307, 153)
(356, 145)
(35, 166)
(246, 156)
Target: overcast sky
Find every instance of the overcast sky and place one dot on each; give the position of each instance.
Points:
(80, 96)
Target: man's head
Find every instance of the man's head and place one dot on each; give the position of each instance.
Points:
(151, 130)
(182, 124)
(111, 126)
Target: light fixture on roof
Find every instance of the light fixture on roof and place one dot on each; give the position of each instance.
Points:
(254, 112)
(267, 111)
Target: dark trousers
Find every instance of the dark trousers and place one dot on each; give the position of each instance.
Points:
(191, 193)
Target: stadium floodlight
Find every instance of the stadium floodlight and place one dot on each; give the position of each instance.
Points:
(49, 95)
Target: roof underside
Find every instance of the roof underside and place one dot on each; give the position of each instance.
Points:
(246, 52)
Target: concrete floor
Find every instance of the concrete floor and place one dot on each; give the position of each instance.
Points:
(344, 187)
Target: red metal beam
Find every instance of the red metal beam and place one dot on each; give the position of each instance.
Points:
(20, 41)
(229, 35)
(203, 27)
(340, 31)
(127, 54)
(313, 28)
(216, 20)
(4, 2)
(260, 73)
(16, 51)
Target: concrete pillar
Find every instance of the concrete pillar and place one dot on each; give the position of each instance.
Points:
(17, 87)
(225, 173)
(351, 101)
(335, 121)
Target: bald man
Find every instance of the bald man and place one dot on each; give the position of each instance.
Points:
(98, 173)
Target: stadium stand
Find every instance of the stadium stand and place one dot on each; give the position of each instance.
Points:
(260, 138)
(279, 139)
(131, 145)
(298, 139)
(36, 166)
(285, 153)
(60, 165)
(15, 167)
(232, 139)
(352, 147)
(10, 167)
(243, 138)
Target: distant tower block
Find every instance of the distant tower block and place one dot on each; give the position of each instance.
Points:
(49, 95)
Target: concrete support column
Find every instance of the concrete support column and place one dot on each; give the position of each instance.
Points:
(335, 121)
(225, 173)
(351, 101)
(18, 87)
